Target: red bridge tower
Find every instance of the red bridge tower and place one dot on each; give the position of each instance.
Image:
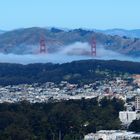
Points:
(43, 48)
(93, 47)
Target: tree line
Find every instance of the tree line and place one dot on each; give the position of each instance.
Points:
(78, 72)
(68, 120)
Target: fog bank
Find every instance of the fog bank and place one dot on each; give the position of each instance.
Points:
(76, 51)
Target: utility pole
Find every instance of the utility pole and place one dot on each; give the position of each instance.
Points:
(53, 136)
(59, 134)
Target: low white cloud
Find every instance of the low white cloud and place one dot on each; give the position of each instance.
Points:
(76, 51)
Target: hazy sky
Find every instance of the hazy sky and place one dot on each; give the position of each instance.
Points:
(100, 14)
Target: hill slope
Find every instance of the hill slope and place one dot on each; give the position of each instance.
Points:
(122, 32)
(26, 41)
(86, 71)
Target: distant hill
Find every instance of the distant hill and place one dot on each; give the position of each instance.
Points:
(26, 41)
(1, 31)
(122, 32)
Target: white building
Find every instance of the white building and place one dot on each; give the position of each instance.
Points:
(126, 117)
(112, 135)
(137, 103)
